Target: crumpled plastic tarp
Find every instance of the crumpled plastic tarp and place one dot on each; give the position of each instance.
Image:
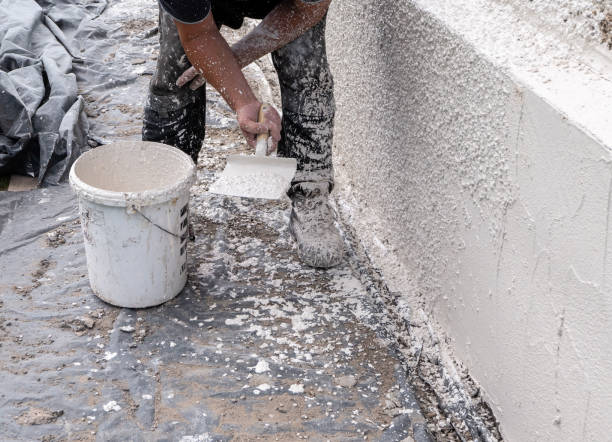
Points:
(43, 126)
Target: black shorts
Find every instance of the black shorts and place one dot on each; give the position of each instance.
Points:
(227, 12)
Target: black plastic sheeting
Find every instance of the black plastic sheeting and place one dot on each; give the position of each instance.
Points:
(182, 371)
(43, 62)
(75, 368)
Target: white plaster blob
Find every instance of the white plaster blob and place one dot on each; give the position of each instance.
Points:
(296, 388)
(204, 437)
(300, 322)
(262, 366)
(111, 406)
(263, 387)
(238, 320)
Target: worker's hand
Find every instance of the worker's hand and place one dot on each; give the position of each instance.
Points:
(191, 75)
(247, 119)
(195, 79)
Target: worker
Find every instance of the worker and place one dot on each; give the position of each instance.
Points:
(193, 51)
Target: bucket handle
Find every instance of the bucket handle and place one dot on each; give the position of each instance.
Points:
(137, 210)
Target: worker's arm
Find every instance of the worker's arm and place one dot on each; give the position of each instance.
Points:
(285, 23)
(211, 56)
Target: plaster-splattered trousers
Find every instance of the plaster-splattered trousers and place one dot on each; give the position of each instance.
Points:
(176, 116)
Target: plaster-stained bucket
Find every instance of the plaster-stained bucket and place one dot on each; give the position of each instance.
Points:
(133, 200)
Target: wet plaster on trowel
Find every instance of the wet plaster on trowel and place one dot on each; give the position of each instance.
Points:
(477, 174)
(262, 184)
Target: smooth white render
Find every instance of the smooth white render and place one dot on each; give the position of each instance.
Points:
(473, 147)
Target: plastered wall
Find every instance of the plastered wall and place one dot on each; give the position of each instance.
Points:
(588, 20)
(485, 204)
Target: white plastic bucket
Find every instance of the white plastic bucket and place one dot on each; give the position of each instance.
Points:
(133, 200)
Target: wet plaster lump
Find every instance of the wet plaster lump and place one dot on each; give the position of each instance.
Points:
(263, 184)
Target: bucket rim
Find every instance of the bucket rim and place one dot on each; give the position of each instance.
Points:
(139, 199)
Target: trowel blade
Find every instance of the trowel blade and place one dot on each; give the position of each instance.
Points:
(250, 176)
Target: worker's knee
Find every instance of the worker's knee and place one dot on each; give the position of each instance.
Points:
(302, 64)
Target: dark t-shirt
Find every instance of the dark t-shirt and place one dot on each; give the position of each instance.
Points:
(227, 12)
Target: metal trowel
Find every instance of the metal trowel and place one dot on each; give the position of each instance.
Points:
(256, 176)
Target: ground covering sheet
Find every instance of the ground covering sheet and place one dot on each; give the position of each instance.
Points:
(256, 346)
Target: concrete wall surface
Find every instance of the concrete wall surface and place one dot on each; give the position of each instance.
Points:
(474, 151)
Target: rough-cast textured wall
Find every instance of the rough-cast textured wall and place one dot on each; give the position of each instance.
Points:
(490, 201)
(590, 20)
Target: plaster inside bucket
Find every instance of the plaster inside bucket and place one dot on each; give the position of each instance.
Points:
(133, 167)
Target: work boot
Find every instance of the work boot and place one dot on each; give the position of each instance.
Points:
(312, 225)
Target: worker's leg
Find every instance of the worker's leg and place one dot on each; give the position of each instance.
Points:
(308, 119)
(308, 105)
(173, 115)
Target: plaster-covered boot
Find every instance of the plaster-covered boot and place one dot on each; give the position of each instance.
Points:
(312, 225)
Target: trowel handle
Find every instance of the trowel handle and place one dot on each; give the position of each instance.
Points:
(261, 148)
